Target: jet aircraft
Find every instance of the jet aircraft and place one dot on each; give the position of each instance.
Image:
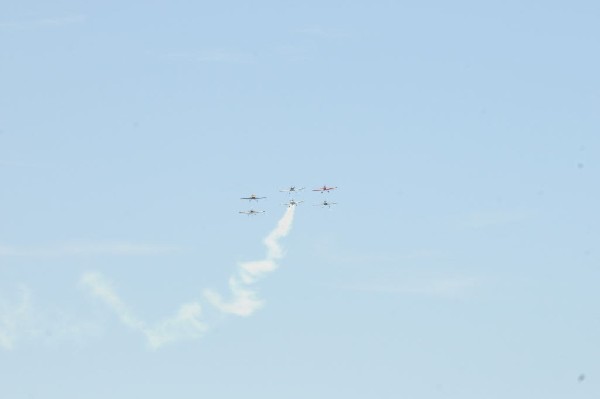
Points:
(253, 197)
(251, 212)
(324, 189)
(292, 189)
(325, 203)
(293, 202)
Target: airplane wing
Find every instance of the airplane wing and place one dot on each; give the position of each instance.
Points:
(292, 189)
(324, 188)
(292, 203)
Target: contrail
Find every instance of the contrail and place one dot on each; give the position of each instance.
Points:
(245, 300)
(185, 324)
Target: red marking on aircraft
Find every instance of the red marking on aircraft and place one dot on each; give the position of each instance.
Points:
(324, 189)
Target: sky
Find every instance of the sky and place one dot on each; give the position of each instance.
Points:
(459, 261)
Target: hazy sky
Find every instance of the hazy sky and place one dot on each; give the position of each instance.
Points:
(462, 257)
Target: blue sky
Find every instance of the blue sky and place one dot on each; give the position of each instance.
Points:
(461, 259)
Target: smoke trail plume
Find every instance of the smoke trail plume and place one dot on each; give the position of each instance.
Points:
(245, 300)
(14, 319)
(185, 324)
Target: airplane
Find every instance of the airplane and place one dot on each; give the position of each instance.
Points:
(292, 189)
(293, 203)
(325, 203)
(324, 189)
(253, 197)
(251, 212)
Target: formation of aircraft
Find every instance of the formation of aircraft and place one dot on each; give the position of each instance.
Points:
(291, 202)
(251, 212)
(324, 189)
(253, 197)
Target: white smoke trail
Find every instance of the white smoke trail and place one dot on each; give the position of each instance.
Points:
(244, 300)
(14, 318)
(187, 321)
(22, 320)
(103, 290)
(185, 324)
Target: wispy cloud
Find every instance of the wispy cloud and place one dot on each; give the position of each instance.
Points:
(244, 300)
(326, 247)
(226, 57)
(294, 53)
(443, 287)
(51, 22)
(212, 56)
(348, 257)
(85, 248)
(493, 218)
(185, 324)
(21, 321)
(56, 326)
(14, 318)
(319, 31)
(19, 164)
